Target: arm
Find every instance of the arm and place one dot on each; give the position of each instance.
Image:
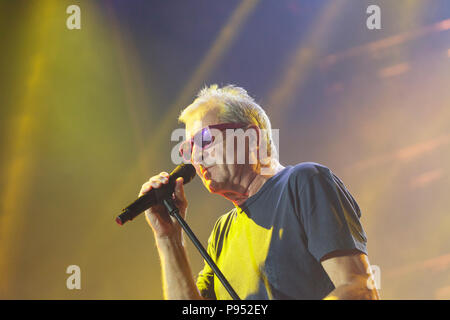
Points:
(178, 282)
(350, 273)
(336, 238)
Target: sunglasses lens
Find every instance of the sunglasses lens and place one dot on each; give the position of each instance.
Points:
(203, 139)
(207, 139)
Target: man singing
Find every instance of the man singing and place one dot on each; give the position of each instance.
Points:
(294, 231)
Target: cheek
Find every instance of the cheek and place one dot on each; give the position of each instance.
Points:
(224, 173)
(216, 173)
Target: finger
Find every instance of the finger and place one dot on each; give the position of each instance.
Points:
(164, 174)
(155, 181)
(158, 180)
(146, 187)
(180, 199)
(156, 184)
(179, 188)
(164, 179)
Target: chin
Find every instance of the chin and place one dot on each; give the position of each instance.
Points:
(212, 186)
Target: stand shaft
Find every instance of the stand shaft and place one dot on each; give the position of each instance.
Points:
(173, 211)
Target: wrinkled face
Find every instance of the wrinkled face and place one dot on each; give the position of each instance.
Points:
(222, 164)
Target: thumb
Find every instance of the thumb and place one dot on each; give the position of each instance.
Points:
(179, 189)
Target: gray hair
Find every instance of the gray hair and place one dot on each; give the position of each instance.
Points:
(235, 105)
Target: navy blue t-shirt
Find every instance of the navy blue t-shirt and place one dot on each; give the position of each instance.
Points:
(271, 246)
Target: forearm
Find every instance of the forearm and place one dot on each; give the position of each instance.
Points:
(178, 282)
(357, 290)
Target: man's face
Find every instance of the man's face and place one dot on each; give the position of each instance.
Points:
(220, 175)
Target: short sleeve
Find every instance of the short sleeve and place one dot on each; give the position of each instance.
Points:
(205, 279)
(330, 216)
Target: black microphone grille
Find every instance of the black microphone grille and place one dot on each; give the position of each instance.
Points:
(185, 170)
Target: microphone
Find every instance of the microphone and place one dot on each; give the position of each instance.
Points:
(156, 196)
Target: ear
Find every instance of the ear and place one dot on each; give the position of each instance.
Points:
(256, 128)
(258, 136)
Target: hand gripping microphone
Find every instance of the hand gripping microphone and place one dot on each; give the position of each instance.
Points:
(156, 196)
(163, 195)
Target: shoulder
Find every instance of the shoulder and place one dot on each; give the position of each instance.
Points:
(309, 168)
(317, 184)
(301, 173)
(313, 182)
(298, 180)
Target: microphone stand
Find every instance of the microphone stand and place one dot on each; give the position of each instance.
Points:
(174, 212)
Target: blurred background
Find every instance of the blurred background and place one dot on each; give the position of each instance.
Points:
(86, 117)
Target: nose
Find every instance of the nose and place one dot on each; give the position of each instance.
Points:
(197, 155)
(203, 157)
(197, 160)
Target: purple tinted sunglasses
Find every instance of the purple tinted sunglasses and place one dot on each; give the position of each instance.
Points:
(203, 138)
